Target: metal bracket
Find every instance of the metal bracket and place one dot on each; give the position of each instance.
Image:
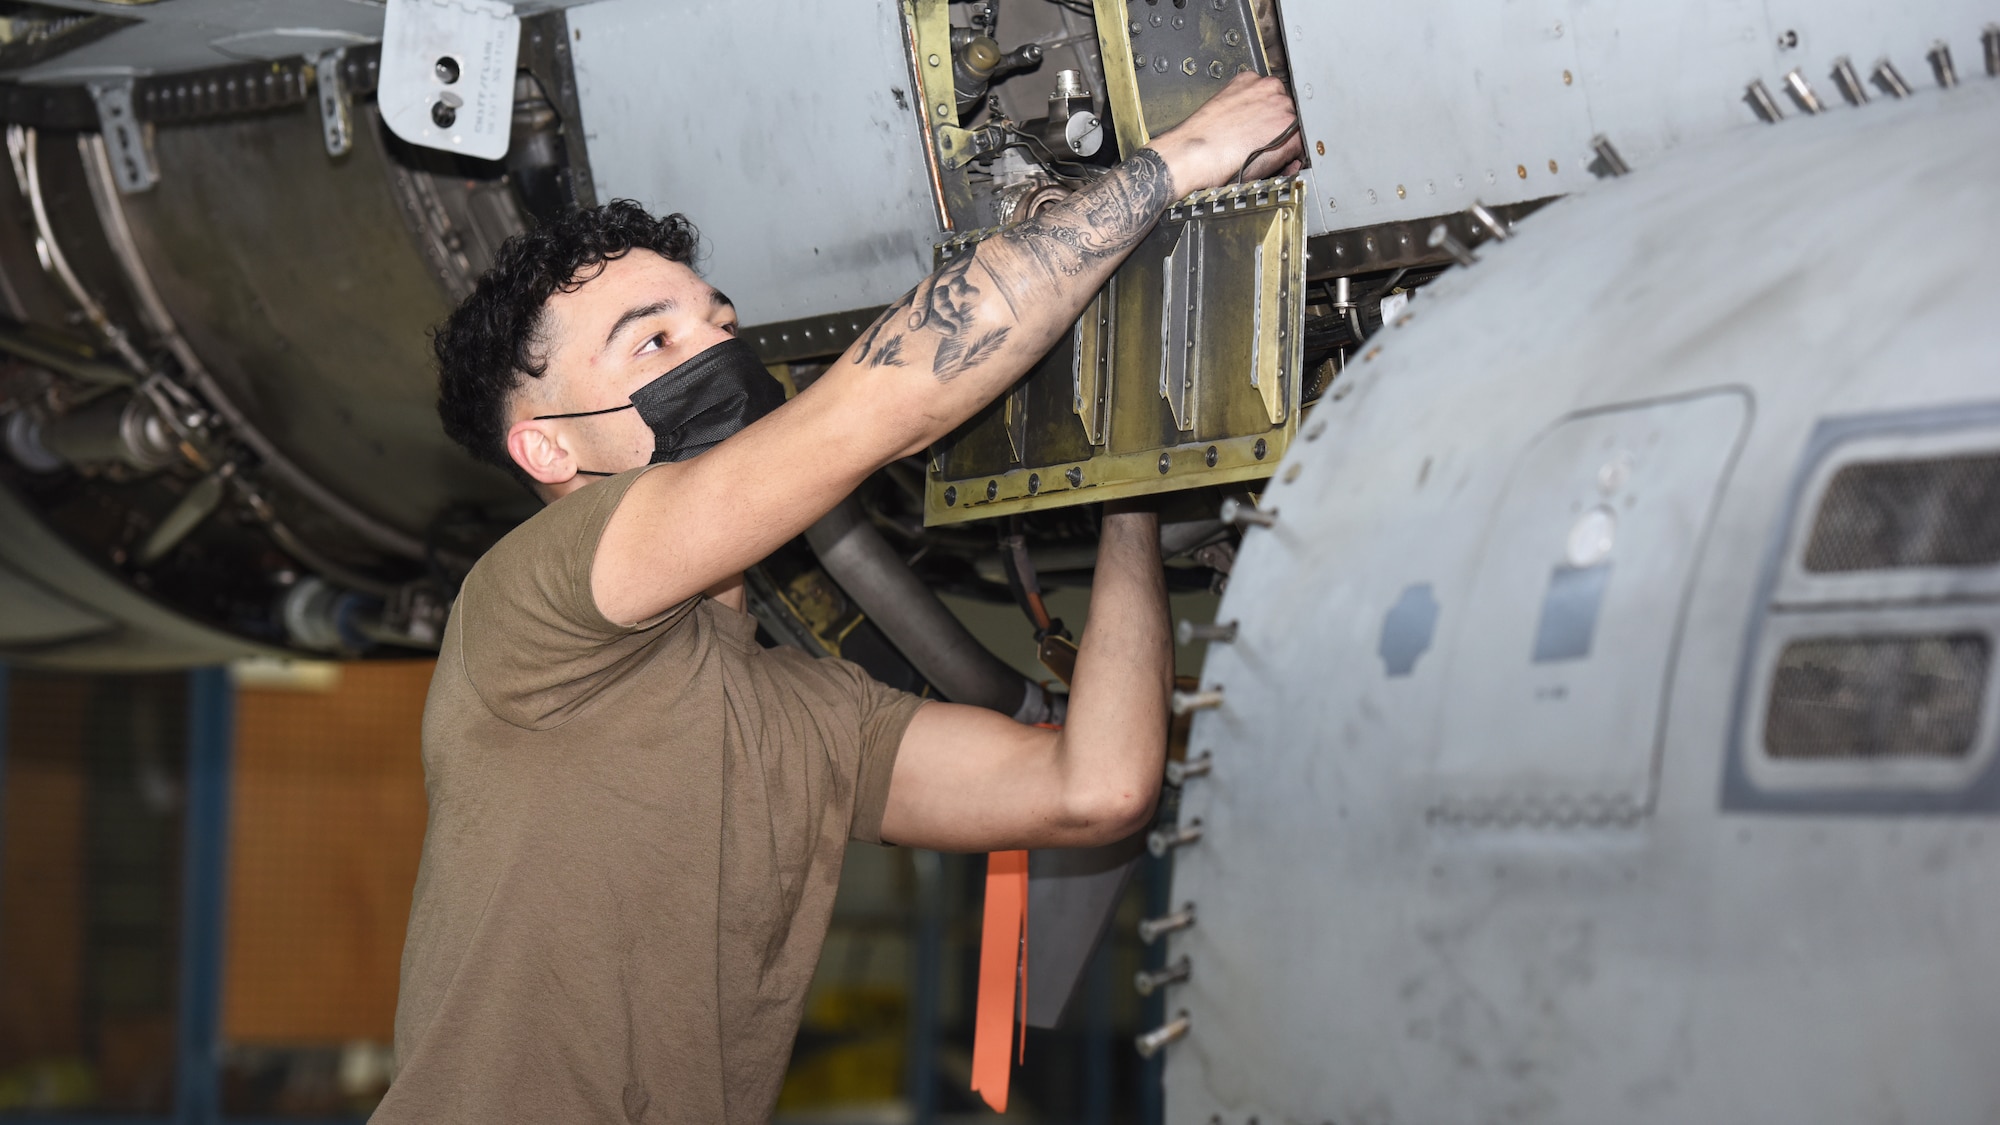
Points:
(1180, 298)
(132, 164)
(1091, 364)
(336, 105)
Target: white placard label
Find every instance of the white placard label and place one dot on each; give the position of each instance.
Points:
(448, 74)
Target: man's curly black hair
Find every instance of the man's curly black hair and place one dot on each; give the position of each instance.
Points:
(494, 339)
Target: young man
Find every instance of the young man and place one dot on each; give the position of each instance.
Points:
(638, 815)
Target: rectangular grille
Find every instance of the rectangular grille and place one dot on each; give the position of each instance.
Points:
(1877, 697)
(1884, 514)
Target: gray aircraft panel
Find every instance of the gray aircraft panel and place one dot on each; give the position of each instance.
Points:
(788, 137)
(1361, 958)
(1423, 108)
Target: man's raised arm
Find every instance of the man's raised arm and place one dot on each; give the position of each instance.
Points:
(952, 345)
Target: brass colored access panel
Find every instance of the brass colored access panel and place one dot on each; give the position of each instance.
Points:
(1184, 372)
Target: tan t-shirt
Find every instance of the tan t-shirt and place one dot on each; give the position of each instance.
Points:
(635, 835)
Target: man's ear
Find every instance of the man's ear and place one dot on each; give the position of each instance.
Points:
(541, 453)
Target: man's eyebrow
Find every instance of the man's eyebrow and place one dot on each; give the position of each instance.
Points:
(720, 300)
(633, 316)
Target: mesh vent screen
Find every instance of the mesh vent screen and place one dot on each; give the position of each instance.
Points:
(1877, 697)
(1884, 514)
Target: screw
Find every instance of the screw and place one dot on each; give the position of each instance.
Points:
(1486, 218)
(443, 115)
(1236, 512)
(1150, 982)
(992, 489)
(1608, 156)
(1151, 928)
(1849, 81)
(1940, 57)
(1075, 477)
(1441, 239)
(1803, 91)
(1152, 1042)
(1258, 450)
(1890, 79)
(1166, 462)
(1188, 702)
(1220, 632)
(1178, 773)
(1216, 69)
(1162, 841)
(1208, 458)
(1232, 37)
(1188, 67)
(1034, 483)
(950, 496)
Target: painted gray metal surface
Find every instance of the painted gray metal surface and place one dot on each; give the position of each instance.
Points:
(1399, 920)
(786, 134)
(1423, 108)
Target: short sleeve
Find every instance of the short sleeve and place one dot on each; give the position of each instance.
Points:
(885, 716)
(534, 645)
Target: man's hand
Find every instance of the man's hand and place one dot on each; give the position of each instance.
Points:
(1209, 148)
(969, 779)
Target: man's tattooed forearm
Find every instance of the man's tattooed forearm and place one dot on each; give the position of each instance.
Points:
(1028, 264)
(944, 305)
(1101, 223)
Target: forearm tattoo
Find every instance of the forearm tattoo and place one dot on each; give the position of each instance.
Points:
(1024, 264)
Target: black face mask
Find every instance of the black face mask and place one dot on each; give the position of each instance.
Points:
(692, 408)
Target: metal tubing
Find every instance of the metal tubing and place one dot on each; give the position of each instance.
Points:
(913, 619)
(118, 232)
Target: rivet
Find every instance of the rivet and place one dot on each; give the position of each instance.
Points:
(1521, 170)
(1188, 67)
(1319, 148)
(934, 60)
(1552, 167)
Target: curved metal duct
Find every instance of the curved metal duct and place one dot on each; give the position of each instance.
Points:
(919, 625)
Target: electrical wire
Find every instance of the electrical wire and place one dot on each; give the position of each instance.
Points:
(1290, 131)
